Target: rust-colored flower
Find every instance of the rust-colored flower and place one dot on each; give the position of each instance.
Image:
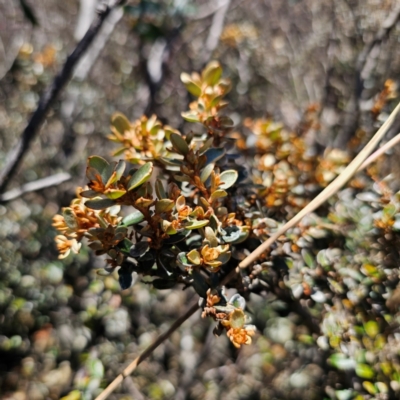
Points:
(143, 138)
(214, 257)
(77, 219)
(65, 246)
(182, 209)
(237, 332)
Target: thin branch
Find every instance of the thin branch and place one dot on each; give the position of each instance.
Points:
(146, 353)
(40, 184)
(382, 150)
(49, 97)
(217, 26)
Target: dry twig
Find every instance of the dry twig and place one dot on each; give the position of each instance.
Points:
(48, 98)
(40, 184)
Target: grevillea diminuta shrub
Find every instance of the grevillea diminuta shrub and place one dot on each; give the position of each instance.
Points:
(182, 210)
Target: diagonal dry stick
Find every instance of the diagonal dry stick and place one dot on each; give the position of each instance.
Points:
(15, 156)
(357, 164)
(329, 191)
(132, 366)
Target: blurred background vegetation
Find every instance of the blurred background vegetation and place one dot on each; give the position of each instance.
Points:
(66, 332)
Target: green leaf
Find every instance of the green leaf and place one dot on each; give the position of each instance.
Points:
(308, 258)
(142, 175)
(389, 211)
(340, 361)
(170, 162)
(212, 73)
(364, 371)
(100, 165)
(191, 86)
(194, 257)
(96, 368)
(369, 387)
(214, 154)
(238, 301)
(224, 257)
(125, 246)
(133, 218)
(226, 122)
(103, 272)
(196, 224)
(191, 116)
(164, 205)
(69, 217)
(120, 123)
(207, 144)
(232, 234)
(89, 194)
(179, 143)
(205, 174)
(117, 173)
(182, 260)
(139, 249)
(114, 194)
(99, 204)
(181, 178)
(218, 194)
(160, 191)
(228, 178)
(372, 329)
(211, 237)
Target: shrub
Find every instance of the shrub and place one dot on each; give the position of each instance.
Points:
(194, 205)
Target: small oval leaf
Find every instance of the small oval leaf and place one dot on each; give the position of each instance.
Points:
(179, 143)
(218, 194)
(212, 73)
(142, 175)
(228, 178)
(205, 174)
(133, 218)
(190, 85)
(139, 249)
(99, 204)
(164, 205)
(120, 123)
(196, 224)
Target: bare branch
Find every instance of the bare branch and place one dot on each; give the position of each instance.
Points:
(215, 31)
(48, 98)
(132, 366)
(40, 184)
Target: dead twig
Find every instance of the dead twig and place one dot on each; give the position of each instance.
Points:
(146, 353)
(216, 28)
(48, 98)
(40, 184)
